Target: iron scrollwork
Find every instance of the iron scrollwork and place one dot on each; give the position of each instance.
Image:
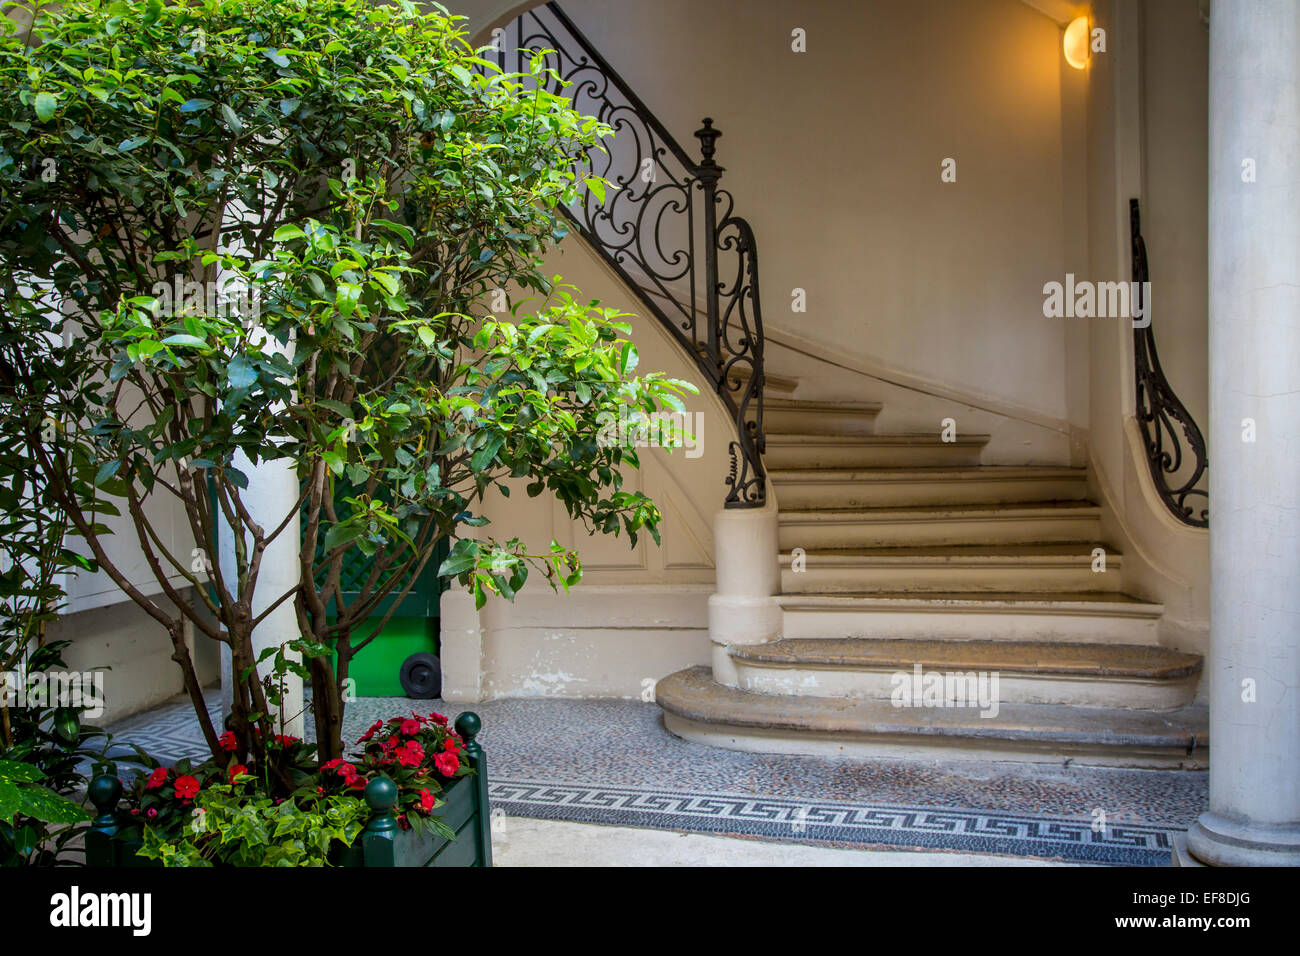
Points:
(1175, 447)
(666, 229)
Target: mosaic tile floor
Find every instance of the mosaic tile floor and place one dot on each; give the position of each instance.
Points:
(612, 761)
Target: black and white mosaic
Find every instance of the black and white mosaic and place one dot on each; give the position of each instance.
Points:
(969, 831)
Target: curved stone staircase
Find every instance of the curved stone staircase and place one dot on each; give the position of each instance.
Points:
(902, 557)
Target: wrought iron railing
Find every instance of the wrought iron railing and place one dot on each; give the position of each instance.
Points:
(666, 229)
(1174, 445)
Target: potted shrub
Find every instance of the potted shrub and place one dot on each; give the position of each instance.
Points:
(414, 795)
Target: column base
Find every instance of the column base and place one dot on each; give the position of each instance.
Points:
(1217, 841)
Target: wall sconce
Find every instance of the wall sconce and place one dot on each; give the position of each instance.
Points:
(1076, 43)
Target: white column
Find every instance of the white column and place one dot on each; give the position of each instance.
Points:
(272, 494)
(460, 647)
(1254, 660)
(742, 611)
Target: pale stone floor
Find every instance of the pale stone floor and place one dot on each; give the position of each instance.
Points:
(606, 781)
(527, 842)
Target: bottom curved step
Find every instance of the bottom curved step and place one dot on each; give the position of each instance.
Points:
(698, 709)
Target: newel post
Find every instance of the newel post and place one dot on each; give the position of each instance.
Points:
(468, 726)
(377, 839)
(708, 173)
(104, 792)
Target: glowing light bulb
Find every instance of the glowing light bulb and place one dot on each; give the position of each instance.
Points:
(1076, 43)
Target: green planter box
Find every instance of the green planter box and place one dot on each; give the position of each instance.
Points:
(381, 844)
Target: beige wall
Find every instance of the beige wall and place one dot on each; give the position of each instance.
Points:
(834, 156)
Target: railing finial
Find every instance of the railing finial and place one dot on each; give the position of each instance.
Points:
(708, 136)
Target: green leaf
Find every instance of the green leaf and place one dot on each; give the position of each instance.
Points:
(346, 297)
(48, 806)
(457, 564)
(287, 232)
(13, 771)
(195, 105)
(46, 104)
(11, 801)
(241, 372)
(232, 120)
(106, 471)
(484, 455)
(183, 339)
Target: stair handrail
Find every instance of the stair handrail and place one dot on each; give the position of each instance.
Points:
(1159, 409)
(633, 229)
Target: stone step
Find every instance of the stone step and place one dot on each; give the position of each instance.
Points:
(700, 710)
(1083, 617)
(785, 416)
(1005, 523)
(1021, 567)
(839, 488)
(870, 451)
(1133, 677)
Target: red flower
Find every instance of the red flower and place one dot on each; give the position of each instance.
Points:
(187, 787)
(410, 727)
(151, 813)
(447, 763)
(228, 741)
(156, 779)
(401, 821)
(346, 771)
(451, 744)
(285, 741)
(235, 770)
(369, 734)
(411, 754)
(426, 801)
(438, 719)
(336, 762)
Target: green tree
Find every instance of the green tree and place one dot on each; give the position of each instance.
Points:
(269, 227)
